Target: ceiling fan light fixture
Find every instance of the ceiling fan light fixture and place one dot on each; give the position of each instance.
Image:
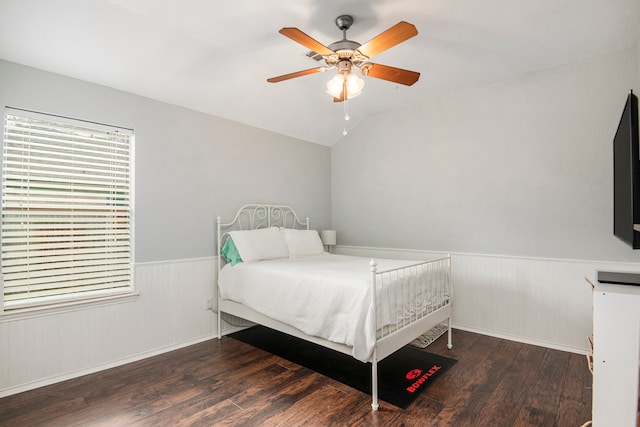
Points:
(342, 80)
(354, 86)
(334, 86)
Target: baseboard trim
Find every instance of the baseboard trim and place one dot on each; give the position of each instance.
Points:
(515, 338)
(75, 374)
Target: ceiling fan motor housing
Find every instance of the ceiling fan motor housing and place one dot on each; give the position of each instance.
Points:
(344, 22)
(343, 48)
(344, 66)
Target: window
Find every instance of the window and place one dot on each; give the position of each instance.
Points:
(66, 211)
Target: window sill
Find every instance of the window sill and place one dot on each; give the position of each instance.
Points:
(52, 309)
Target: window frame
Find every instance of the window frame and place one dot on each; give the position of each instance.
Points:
(74, 300)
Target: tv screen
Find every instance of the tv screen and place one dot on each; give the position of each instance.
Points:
(626, 176)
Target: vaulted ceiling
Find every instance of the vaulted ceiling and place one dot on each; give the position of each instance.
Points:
(215, 56)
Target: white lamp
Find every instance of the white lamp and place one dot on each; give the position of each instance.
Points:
(328, 238)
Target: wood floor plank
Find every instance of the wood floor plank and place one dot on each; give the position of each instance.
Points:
(477, 385)
(357, 404)
(27, 417)
(307, 408)
(512, 389)
(254, 388)
(460, 376)
(225, 382)
(218, 414)
(575, 399)
(278, 408)
(114, 413)
(543, 400)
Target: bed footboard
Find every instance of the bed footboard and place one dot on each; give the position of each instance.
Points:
(405, 295)
(408, 302)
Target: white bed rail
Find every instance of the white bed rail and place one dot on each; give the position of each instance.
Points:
(419, 289)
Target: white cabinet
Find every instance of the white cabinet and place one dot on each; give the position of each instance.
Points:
(616, 354)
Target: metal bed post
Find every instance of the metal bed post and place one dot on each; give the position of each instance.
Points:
(450, 290)
(218, 222)
(374, 380)
(374, 359)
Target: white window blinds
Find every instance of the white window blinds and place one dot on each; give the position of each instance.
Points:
(66, 210)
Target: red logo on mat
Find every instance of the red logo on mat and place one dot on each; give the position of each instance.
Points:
(413, 374)
(416, 385)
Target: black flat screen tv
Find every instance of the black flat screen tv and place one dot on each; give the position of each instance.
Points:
(626, 176)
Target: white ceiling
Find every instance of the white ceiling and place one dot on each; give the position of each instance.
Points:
(215, 56)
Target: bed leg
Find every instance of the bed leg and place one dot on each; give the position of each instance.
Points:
(374, 381)
(449, 344)
(219, 322)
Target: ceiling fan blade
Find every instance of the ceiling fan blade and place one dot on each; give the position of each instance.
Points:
(310, 43)
(387, 39)
(392, 74)
(296, 74)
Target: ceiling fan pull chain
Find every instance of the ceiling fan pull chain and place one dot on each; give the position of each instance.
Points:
(346, 114)
(346, 109)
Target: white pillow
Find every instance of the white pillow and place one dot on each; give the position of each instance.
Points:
(260, 244)
(302, 242)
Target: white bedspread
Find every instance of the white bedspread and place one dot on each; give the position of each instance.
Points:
(327, 296)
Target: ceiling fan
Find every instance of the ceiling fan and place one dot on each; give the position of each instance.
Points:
(345, 55)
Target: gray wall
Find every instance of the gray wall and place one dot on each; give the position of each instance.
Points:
(190, 167)
(519, 167)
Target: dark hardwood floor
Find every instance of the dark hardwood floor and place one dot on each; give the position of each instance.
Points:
(226, 382)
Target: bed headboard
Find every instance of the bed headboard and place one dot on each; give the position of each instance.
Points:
(252, 216)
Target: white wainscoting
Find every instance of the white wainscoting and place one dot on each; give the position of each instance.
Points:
(169, 313)
(545, 302)
(539, 301)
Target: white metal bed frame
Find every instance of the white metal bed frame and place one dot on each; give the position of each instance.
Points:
(254, 216)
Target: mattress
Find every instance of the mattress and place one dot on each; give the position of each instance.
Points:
(330, 296)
